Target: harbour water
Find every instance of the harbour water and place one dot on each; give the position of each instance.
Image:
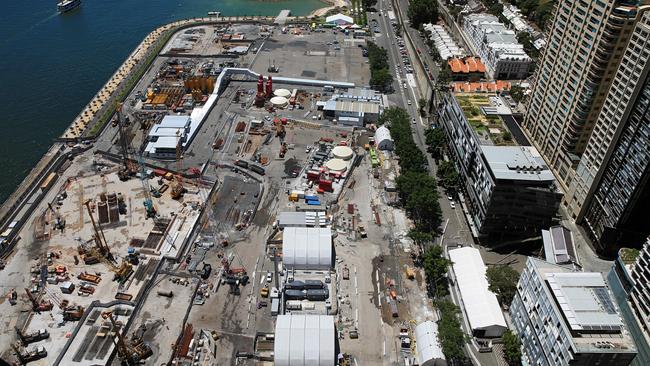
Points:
(51, 65)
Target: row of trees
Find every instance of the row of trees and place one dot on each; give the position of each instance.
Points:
(422, 12)
(380, 76)
(417, 189)
(419, 195)
(452, 338)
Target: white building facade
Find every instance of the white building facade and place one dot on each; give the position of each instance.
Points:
(503, 55)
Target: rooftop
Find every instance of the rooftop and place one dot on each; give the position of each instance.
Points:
(490, 128)
(517, 163)
(585, 301)
(466, 65)
(587, 307)
(481, 305)
(558, 245)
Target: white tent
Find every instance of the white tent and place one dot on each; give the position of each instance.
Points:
(383, 139)
(429, 351)
(307, 248)
(339, 19)
(480, 304)
(304, 340)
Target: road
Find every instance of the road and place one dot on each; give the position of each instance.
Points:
(455, 228)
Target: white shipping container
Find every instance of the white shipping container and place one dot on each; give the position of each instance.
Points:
(294, 305)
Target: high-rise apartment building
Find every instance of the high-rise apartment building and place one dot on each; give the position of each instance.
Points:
(587, 116)
(586, 42)
(610, 193)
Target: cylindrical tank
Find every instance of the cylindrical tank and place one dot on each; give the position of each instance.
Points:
(114, 213)
(102, 210)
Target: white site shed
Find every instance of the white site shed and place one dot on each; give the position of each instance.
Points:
(429, 351)
(383, 139)
(304, 340)
(307, 248)
(479, 303)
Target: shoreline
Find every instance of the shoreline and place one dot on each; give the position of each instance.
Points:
(333, 4)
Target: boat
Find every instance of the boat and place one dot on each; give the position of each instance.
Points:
(214, 13)
(65, 6)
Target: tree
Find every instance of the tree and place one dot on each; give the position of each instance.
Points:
(444, 76)
(448, 175)
(511, 347)
(423, 106)
(367, 4)
(422, 12)
(503, 282)
(435, 270)
(420, 237)
(435, 138)
(517, 93)
(452, 338)
(507, 136)
(380, 76)
(526, 40)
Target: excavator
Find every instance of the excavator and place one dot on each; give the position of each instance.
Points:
(132, 351)
(43, 305)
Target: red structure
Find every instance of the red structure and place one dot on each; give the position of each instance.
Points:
(260, 85)
(269, 87)
(259, 98)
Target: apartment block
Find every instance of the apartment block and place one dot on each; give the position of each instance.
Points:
(586, 43)
(609, 194)
(565, 317)
(498, 47)
(509, 191)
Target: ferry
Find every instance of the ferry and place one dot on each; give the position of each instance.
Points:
(65, 6)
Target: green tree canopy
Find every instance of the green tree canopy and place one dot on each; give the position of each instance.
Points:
(452, 338)
(435, 270)
(511, 348)
(422, 12)
(503, 282)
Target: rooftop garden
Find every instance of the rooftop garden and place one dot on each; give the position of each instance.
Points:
(486, 127)
(628, 255)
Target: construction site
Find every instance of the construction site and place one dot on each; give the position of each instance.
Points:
(221, 197)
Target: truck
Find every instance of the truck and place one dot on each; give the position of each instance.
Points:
(275, 307)
(257, 169)
(34, 336)
(241, 163)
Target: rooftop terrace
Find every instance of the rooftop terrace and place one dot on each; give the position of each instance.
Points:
(490, 128)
